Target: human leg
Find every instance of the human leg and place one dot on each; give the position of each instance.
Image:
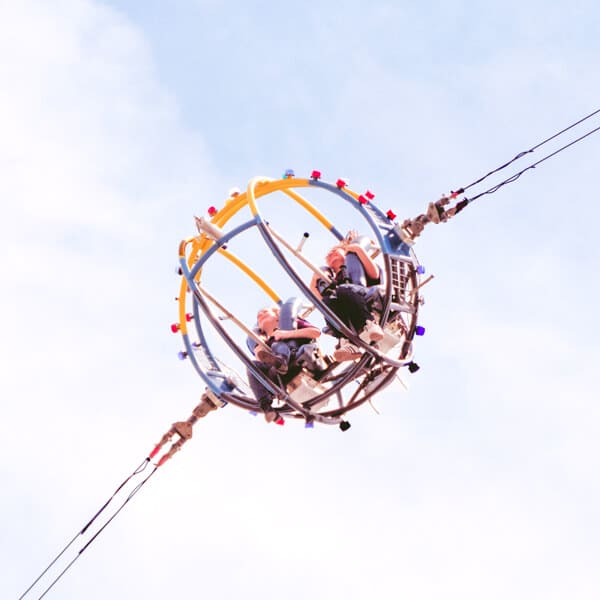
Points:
(263, 396)
(352, 307)
(277, 356)
(308, 357)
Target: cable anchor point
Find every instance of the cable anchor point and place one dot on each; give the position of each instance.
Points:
(183, 429)
(436, 213)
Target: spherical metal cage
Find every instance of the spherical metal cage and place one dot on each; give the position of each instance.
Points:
(344, 386)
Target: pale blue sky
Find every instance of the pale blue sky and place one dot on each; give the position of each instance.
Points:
(118, 123)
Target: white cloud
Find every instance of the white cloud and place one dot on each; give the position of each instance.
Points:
(479, 482)
(92, 156)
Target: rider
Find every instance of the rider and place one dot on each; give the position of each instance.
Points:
(290, 340)
(346, 294)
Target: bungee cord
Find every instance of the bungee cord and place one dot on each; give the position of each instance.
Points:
(532, 149)
(131, 495)
(532, 166)
(182, 430)
(439, 212)
(82, 532)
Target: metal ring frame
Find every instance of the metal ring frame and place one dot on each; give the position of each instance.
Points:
(371, 373)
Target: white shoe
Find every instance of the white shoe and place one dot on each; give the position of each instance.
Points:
(372, 332)
(272, 360)
(346, 351)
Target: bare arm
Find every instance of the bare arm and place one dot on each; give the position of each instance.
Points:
(310, 332)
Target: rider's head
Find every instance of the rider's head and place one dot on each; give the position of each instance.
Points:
(335, 257)
(268, 318)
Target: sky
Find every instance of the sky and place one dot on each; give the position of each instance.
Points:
(121, 120)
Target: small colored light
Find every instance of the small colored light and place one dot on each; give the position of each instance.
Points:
(369, 194)
(420, 269)
(391, 215)
(280, 421)
(344, 425)
(363, 200)
(309, 425)
(189, 317)
(413, 367)
(288, 173)
(182, 355)
(341, 183)
(420, 330)
(212, 210)
(175, 327)
(315, 175)
(252, 412)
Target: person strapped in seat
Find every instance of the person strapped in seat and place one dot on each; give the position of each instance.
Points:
(292, 347)
(350, 293)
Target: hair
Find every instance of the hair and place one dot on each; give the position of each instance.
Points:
(268, 309)
(333, 249)
(341, 247)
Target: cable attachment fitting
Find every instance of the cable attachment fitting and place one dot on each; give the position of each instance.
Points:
(436, 213)
(183, 429)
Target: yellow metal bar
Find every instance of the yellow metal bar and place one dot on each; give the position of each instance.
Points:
(260, 186)
(251, 192)
(246, 269)
(267, 186)
(182, 292)
(310, 208)
(232, 206)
